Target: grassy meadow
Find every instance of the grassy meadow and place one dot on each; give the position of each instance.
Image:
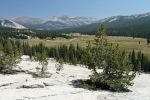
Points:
(127, 43)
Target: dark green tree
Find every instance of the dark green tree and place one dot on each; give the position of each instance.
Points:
(9, 55)
(116, 67)
(42, 58)
(148, 40)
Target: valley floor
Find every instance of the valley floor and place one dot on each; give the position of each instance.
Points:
(59, 86)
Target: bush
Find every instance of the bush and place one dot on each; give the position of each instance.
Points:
(41, 75)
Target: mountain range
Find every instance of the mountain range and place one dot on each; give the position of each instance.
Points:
(135, 22)
(134, 25)
(55, 22)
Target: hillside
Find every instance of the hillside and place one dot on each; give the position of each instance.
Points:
(137, 25)
(10, 24)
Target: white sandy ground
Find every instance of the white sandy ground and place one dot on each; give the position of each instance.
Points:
(60, 87)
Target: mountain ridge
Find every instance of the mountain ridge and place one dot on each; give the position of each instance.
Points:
(54, 22)
(137, 25)
(74, 23)
(10, 24)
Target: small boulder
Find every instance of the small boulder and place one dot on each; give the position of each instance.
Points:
(33, 85)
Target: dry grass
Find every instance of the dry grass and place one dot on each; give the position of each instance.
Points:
(59, 41)
(126, 43)
(129, 43)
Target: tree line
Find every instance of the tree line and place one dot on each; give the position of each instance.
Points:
(140, 61)
(22, 34)
(73, 54)
(131, 31)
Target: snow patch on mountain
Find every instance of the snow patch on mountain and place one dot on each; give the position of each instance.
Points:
(109, 19)
(68, 21)
(114, 19)
(120, 18)
(141, 15)
(61, 22)
(55, 22)
(28, 20)
(10, 24)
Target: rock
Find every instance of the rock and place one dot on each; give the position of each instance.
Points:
(6, 84)
(52, 82)
(33, 85)
(48, 84)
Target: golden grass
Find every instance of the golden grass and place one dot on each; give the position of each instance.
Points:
(127, 43)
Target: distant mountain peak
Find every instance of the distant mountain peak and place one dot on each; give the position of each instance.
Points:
(64, 17)
(54, 22)
(26, 20)
(129, 17)
(140, 15)
(63, 21)
(10, 24)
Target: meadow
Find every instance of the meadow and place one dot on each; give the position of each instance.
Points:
(125, 43)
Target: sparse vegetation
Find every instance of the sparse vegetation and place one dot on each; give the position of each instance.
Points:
(59, 65)
(10, 53)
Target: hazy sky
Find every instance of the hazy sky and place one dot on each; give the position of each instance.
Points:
(92, 8)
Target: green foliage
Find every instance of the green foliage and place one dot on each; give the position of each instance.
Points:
(133, 59)
(140, 61)
(10, 54)
(131, 29)
(59, 65)
(148, 40)
(42, 58)
(23, 34)
(40, 55)
(117, 70)
(41, 75)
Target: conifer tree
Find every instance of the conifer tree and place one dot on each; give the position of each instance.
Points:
(42, 58)
(72, 57)
(78, 51)
(116, 68)
(59, 65)
(9, 55)
(133, 59)
(139, 59)
(142, 62)
(148, 40)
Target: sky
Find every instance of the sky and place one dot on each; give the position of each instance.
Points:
(90, 8)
